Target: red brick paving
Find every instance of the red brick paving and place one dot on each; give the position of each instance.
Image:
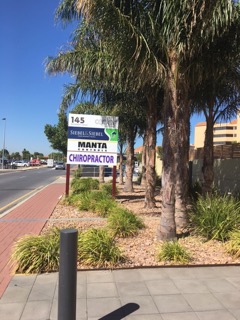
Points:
(29, 217)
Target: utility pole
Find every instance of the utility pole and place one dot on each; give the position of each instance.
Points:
(4, 132)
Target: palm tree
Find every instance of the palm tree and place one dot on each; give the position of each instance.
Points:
(83, 62)
(157, 42)
(217, 96)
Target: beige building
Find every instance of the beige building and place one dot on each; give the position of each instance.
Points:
(223, 133)
(158, 164)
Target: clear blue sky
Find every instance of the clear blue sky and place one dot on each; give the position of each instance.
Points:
(29, 98)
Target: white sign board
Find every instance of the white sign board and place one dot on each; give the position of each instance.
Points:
(92, 140)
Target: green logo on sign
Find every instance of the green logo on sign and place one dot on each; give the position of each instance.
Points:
(113, 134)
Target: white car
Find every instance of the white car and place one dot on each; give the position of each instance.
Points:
(21, 163)
(59, 165)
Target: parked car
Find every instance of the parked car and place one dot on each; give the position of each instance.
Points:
(21, 163)
(59, 165)
(35, 162)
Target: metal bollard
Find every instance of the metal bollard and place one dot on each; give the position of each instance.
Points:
(67, 291)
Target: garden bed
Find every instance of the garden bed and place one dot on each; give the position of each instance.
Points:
(141, 249)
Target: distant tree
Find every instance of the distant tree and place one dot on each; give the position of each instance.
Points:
(56, 156)
(6, 153)
(57, 134)
(139, 157)
(15, 155)
(159, 152)
(38, 155)
(26, 154)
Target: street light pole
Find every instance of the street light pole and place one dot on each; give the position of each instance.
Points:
(4, 132)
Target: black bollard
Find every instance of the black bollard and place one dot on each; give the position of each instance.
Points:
(67, 291)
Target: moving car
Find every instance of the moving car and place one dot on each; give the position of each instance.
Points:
(59, 165)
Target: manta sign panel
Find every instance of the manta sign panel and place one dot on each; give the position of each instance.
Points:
(92, 139)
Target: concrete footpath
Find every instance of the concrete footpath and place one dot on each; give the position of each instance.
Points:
(207, 293)
(197, 293)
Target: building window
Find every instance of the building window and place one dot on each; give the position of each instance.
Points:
(222, 142)
(222, 128)
(223, 135)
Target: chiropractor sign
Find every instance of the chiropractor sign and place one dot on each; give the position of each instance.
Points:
(92, 140)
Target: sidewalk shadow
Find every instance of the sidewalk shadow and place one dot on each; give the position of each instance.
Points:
(122, 312)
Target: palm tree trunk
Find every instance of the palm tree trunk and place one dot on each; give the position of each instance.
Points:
(101, 174)
(208, 160)
(121, 165)
(143, 179)
(182, 167)
(151, 152)
(167, 227)
(128, 187)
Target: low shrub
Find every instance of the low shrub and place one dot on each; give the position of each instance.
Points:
(84, 203)
(72, 200)
(105, 206)
(79, 185)
(97, 248)
(214, 217)
(124, 223)
(195, 191)
(78, 173)
(89, 200)
(172, 251)
(36, 254)
(232, 246)
(107, 188)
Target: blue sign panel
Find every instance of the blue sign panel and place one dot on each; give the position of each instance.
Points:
(87, 133)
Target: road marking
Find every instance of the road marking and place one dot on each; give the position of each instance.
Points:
(18, 199)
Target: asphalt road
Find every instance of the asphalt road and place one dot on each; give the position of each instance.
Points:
(17, 185)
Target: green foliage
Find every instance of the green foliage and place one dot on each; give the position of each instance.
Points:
(195, 191)
(139, 157)
(105, 206)
(26, 154)
(214, 217)
(233, 244)
(159, 152)
(124, 223)
(173, 251)
(35, 254)
(78, 173)
(89, 200)
(72, 200)
(84, 203)
(57, 134)
(79, 185)
(139, 178)
(107, 188)
(97, 248)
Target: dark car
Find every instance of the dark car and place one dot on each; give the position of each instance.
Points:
(60, 165)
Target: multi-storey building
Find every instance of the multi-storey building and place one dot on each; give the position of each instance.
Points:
(223, 133)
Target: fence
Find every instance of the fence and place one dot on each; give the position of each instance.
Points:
(225, 151)
(226, 174)
(93, 171)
